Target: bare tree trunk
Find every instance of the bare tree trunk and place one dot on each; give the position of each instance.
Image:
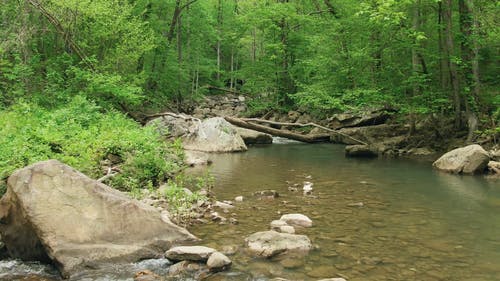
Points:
(454, 79)
(254, 44)
(468, 47)
(219, 35)
(443, 65)
(415, 63)
(179, 61)
(231, 86)
(177, 12)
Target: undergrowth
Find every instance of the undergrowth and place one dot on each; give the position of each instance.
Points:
(82, 135)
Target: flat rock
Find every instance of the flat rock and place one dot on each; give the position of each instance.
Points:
(297, 220)
(470, 159)
(271, 243)
(53, 213)
(191, 253)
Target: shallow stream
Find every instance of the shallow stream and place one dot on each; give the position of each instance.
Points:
(414, 223)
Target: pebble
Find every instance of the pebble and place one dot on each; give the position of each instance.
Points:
(357, 204)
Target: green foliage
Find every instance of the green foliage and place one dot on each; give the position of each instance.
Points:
(80, 135)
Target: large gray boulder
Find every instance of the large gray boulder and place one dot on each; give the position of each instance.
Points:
(271, 243)
(471, 159)
(52, 212)
(254, 137)
(215, 135)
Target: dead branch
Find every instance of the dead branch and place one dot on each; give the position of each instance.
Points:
(63, 32)
(310, 124)
(275, 132)
(110, 174)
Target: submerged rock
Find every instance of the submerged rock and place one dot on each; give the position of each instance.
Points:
(215, 135)
(269, 193)
(471, 159)
(196, 158)
(187, 268)
(191, 253)
(52, 212)
(146, 275)
(271, 243)
(361, 151)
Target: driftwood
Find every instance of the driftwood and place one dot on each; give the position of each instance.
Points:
(245, 123)
(110, 174)
(275, 132)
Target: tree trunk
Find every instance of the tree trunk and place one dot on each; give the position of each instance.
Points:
(454, 79)
(415, 63)
(219, 35)
(469, 57)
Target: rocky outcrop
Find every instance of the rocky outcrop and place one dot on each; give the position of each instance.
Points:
(220, 105)
(52, 212)
(367, 118)
(254, 137)
(271, 243)
(215, 135)
(174, 126)
(471, 159)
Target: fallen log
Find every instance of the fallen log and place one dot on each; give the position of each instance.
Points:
(280, 133)
(302, 125)
(245, 123)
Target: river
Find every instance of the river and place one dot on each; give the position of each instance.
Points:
(373, 219)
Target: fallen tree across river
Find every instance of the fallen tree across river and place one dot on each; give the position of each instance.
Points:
(249, 123)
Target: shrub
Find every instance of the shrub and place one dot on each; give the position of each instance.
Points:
(81, 135)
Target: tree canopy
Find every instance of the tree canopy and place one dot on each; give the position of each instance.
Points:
(422, 56)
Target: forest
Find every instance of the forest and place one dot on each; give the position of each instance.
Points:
(76, 76)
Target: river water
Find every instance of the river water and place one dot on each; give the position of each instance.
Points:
(373, 219)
